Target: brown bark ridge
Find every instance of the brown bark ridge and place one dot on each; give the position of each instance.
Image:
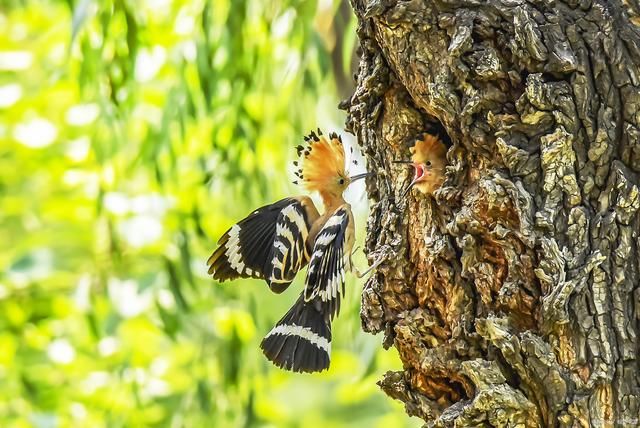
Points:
(512, 294)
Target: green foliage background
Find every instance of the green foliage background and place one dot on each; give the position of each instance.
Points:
(132, 135)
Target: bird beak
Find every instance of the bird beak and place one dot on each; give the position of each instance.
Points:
(419, 175)
(359, 176)
(406, 191)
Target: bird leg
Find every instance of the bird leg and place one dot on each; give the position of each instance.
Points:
(357, 272)
(372, 267)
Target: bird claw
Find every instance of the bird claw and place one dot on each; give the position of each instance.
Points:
(360, 275)
(357, 272)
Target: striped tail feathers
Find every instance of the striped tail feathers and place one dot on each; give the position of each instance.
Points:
(301, 340)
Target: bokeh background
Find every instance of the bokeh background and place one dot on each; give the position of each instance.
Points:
(132, 135)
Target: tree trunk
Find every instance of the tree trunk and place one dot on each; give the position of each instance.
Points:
(512, 295)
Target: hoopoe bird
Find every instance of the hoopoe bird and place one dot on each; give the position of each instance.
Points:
(276, 241)
(428, 159)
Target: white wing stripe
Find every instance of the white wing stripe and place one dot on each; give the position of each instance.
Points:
(291, 235)
(284, 231)
(303, 332)
(277, 264)
(296, 218)
(334, 220)
(281, 247)
(325, 238)
(233, 249)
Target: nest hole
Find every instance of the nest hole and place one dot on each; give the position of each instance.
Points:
(441, 389)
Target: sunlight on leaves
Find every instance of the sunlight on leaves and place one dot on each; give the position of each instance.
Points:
(132, 136)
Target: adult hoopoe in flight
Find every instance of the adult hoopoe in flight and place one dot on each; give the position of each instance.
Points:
(276, 241)
(428, 159)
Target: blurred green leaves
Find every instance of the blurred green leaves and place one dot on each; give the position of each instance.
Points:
(132, 135)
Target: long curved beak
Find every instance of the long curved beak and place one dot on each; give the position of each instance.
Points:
(359, 176)
(406, 191)
(419, 174)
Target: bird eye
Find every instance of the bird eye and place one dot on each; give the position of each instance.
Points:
(428, 163)
(341, 181)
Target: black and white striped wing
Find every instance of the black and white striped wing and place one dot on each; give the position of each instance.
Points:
(289, 251)
(269, 244)
(326, 273)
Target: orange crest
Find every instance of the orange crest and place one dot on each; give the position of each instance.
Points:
(322, 161)
(428, 146)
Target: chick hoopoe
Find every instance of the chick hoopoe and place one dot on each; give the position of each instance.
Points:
(428, 159)
(276, 241)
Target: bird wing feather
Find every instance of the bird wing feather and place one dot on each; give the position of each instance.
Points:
(268, 244)
(326, 274)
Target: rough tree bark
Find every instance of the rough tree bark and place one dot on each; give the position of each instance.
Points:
(512, 295)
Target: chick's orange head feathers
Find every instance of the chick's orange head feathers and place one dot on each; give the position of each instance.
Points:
(322, 166)
(429, 157)
(429, 147)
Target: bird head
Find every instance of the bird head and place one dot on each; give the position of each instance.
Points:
(428, 159)
(322, 165)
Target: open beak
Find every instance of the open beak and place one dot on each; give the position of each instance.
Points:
(419, 174)
(359, 176)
